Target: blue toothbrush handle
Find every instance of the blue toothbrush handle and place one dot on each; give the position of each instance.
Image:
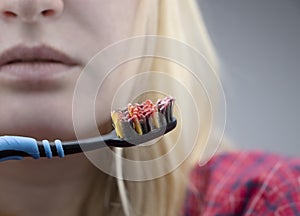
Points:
(17, 147)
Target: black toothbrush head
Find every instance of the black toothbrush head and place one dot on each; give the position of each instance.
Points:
(140, 119)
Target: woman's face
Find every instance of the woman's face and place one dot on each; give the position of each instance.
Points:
(44, 45)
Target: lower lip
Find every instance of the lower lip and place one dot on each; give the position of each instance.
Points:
(34, 72)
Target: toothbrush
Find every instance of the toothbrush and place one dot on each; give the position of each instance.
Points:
(134, 125)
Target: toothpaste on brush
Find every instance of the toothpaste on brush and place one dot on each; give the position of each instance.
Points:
(142, 118)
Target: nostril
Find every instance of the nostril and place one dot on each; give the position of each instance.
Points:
(9, 14)
(48, 12)
(31, 10)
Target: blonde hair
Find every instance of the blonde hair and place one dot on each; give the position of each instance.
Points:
(179, 21)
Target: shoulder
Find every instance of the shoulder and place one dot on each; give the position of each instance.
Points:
(241, 183)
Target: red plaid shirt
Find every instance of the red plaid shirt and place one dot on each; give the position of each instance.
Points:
(245, 184)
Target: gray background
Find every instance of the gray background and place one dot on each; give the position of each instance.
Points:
(258, 42)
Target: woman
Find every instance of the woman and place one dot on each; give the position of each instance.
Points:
(46, 48)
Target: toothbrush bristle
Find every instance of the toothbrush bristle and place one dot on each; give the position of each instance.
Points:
(142, 118)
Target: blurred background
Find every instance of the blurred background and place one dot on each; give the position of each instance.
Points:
(258, 42)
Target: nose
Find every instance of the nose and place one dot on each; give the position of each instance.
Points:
(31, 10)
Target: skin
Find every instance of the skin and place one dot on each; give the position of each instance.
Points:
(43, 110)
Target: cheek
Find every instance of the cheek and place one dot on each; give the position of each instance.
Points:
(111, 20)
(93, 25)
(115, 90)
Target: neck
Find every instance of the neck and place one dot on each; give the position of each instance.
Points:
(46, 187)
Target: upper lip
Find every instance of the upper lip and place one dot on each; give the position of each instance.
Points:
(41, 53)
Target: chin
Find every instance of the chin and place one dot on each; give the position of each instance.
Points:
(40, 131)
